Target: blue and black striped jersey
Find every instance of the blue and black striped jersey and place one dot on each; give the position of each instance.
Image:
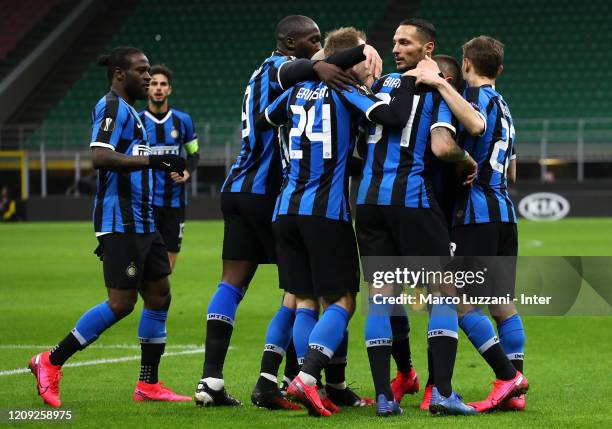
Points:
(123, 200)
(396, 160)
(323, 128)
(257, 168)
(172, 134)
(488, 200)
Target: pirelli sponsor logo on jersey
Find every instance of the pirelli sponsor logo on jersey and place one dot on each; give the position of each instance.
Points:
(141, 150)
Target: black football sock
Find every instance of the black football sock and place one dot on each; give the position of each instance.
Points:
(400, 350)
(218, 336)
(66, 348)
(335, 371)
(499, 362)
(219, 327)
(518, 364)
(314, 362)
(264, 384)
(430, 368)
(151, 354)
(380, 366)
(292, 367)
(270, 362)
(443, 353)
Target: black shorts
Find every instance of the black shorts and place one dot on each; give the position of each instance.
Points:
(128, 260)
(316, 256)
(491, 248)
(485, 239)
(401, 231)
(247, 232)
(170, 222)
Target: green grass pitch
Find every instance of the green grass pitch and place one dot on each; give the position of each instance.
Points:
(49, 276)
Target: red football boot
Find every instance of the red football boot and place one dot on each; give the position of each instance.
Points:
(308, 396)
(405, 383)
(426, 397)
(48, 377)
(328, 403)
(516, 403)
(501, 391)
(156, 392)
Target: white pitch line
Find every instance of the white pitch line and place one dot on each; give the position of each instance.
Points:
(102, 361)
(96, 346)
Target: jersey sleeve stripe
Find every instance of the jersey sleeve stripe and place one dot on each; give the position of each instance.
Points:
(445, 125)
(278, 75)
(269, 120)
(484, 130)
(372, 107)
(100, 144)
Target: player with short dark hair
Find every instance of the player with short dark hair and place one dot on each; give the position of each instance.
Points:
(316, 248)
(398, 215)
(133, 253)
(170, 131)
(340, 48)
(249, 193)
(443, 175)
(484, 218)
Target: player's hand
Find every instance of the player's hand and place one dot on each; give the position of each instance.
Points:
(425, 76)
(334, 76)
(373, 62)
(177, 178)
(168, 163)
(428, 64)
(469, 169)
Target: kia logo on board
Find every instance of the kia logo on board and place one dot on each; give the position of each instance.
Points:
(544, 206)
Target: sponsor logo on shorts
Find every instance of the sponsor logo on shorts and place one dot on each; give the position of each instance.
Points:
(131, 271)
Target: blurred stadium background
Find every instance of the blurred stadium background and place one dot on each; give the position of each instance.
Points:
(557, 79)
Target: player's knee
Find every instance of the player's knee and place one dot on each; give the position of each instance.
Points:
(346, 301)
(159, 301)
(502, 312)
(289, 300)
(123, 306)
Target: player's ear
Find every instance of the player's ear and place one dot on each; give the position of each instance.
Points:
(290, 43)
(169, 89)
(500, 70)
(119, 74)
(429, 47)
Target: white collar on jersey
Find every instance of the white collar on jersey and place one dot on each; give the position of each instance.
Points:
(157, 121)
